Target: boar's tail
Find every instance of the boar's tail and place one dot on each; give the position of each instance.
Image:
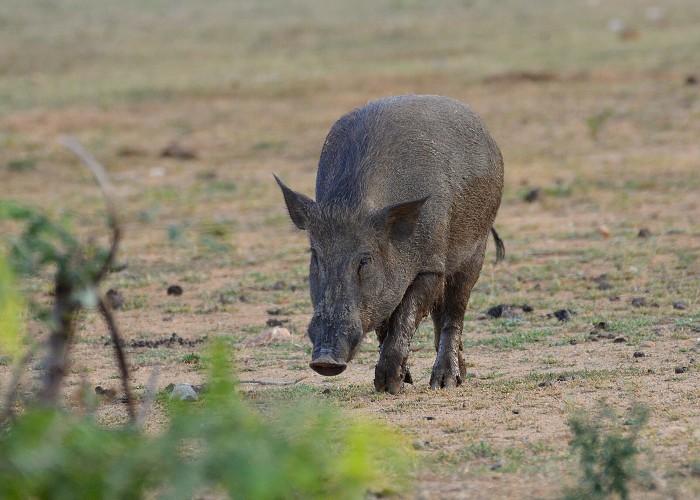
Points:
(500, 247)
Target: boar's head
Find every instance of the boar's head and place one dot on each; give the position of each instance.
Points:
(358, 272)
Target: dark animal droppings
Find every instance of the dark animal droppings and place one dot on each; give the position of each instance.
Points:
(620, 340)
(175, 290)
(644, 233)
(114, 299)
(639, 354)
(681, 369)
(562, 314)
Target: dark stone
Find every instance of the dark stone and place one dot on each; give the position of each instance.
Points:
(639, 354)
(527, 309)
(681, 369)
(620, 340)
(679, 305)
(516, 412)
(643, 233)
(532, 195)
(430, 418)
(691, 80)
(639, 302)
(326, 391)
(175, 290)
(544, 383)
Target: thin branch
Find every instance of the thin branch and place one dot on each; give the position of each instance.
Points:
(263, 382)
(119, 353)
(8, 412)
(100, 175)
(148, 399)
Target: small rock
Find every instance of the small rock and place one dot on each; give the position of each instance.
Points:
(527, 308)
(644, 233)
(691, 80)
(175, 290)
(482, 316)
(274, 334)
(496, 466)
(638, 354)
(648, 343)
(681, 369)
(614, 298)
(326, 391)
(620, 340)
(183, 392)
(421, 445)
(532, 195)
(561, 378)
(639, 302)
(276, 311)
(545, 383)
(573, 342)
(114, 299)
(604, 231)
(679, 305)
(516, 411)
(430, 418)
(107, 393)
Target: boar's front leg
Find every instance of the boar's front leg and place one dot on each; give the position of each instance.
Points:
(392, 370)
(449, 369)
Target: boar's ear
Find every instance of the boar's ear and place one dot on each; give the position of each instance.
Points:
(399, 220)
(298, 205)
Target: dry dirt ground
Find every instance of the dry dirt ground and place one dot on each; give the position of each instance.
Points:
(611, 150)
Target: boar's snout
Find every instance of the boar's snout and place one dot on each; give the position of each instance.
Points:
(324, 364)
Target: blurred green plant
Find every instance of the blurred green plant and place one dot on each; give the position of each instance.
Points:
(216, 445)
(11, 308)
(597, 121)
(607, 453)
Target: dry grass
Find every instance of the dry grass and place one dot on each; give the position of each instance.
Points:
(604, 124)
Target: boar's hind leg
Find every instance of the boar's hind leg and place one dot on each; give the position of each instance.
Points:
(449, 369)
(395, 337)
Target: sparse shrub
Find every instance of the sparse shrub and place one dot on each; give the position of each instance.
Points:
(607, 453)
(219, 444)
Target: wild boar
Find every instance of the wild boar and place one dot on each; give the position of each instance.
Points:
(407, 190)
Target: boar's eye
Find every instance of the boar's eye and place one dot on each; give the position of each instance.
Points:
(365, 260)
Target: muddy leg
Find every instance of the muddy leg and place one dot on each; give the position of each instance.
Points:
(391, 370)
(449, 369)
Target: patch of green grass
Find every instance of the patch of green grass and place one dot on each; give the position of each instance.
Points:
(135, 301)
(512, 341)
(21, 165)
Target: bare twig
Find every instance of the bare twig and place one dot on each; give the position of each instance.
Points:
(100, 176)
(119, 354)
(8, 411)
(64, 312)
(263, 382)
(148, 399)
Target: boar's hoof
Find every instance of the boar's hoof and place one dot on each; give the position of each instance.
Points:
(327, 366)
(387, 379)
